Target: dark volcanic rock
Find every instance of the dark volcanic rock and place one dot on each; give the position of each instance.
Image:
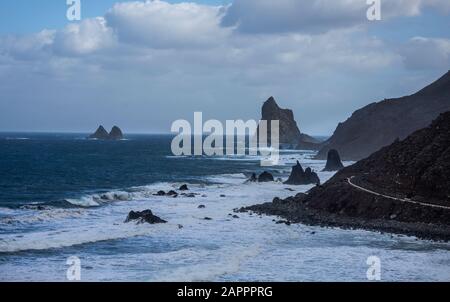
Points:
(144, 216)
(265, 177)
(116, 133)
(334, 162)
(300, 177)
(283, 222)
(184, 188)
(172, 193)
(101, 133)
(380, 124)
(189, 195)
(289, 133)
(405, 186)
(160, 193)
(253, 178)
(312, 177)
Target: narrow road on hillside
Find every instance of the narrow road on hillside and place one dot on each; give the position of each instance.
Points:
(349, 180)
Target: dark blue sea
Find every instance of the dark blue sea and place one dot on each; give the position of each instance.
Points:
(50, 168)
(64, 196)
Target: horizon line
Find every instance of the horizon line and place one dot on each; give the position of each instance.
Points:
(124, 133)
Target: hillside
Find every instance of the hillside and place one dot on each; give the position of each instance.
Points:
(379, 124)
(403, 188)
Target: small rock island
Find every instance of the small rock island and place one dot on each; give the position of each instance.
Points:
(102, 134)
(302, 177)
(290, 136)
(334, 162)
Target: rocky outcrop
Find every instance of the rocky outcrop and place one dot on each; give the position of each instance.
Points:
(116, 133)
(334, 162)
(253, 178)
(380, 124)
(171, 193)
(184, 188)
(265, 177)
(302, 177)
(289, 133)
(403, 188)
(102, 134)
(160, 193)
(144, 217)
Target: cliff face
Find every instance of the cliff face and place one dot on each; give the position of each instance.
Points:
(402, 188)
(289, 132)
(379, 124)
(416, 169)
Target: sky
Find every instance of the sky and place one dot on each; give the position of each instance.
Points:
(144, 64)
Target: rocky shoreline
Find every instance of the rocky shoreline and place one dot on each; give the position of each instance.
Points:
(295, 212)
(403, 188)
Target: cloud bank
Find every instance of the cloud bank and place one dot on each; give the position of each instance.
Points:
(147, 63)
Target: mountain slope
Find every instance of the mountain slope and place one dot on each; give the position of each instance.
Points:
(379, 124)
(403, 188)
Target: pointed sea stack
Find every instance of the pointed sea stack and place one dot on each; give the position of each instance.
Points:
(302, 177)
(116, 133)
(334, 162)
(289, 132)
(290, 136)
(101, 133)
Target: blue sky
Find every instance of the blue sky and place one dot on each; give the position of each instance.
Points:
(429, 24)
(143, 65)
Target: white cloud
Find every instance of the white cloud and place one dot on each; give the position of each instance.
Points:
(426, 53)
(156, 37)
(157, 61)
(312, 16)
(89, 36)
(158, 24)
(28, 47)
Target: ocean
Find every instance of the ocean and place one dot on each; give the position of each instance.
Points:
(64, 196)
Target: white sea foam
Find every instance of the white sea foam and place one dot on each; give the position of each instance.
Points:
(79, 234)
(248, 248)
(17, 138)
(35, 216)
(96, 200)
(212, 264)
